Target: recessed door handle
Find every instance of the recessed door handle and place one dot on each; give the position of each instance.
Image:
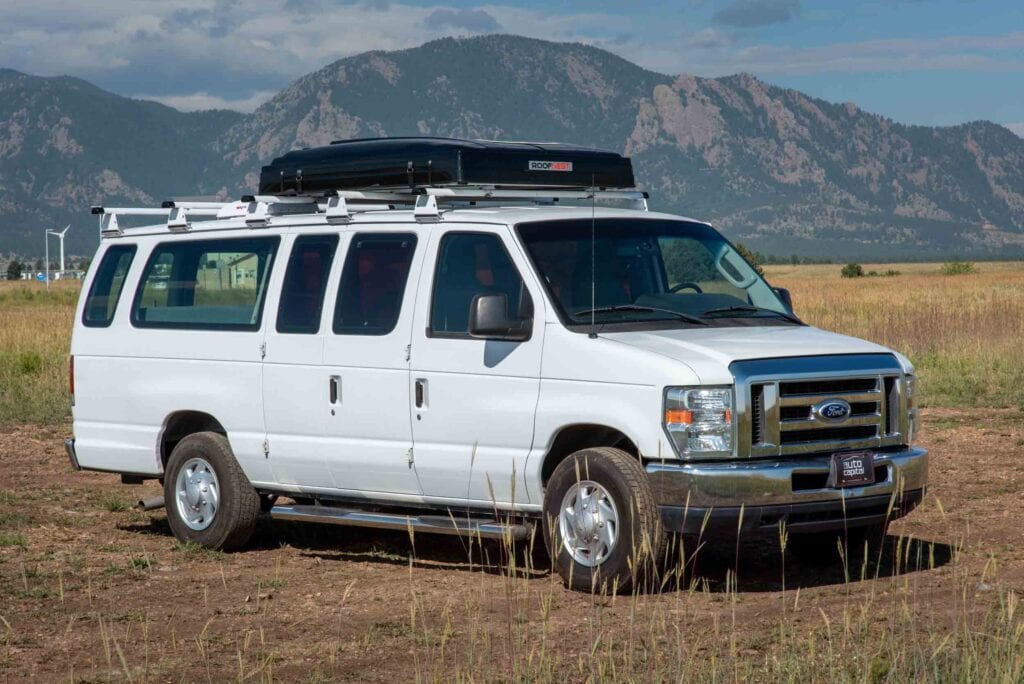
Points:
(335, 389)
(421, 393)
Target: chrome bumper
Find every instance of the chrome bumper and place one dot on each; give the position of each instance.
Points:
(69, 447)
(758, 494)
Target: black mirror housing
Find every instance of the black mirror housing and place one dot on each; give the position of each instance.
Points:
(785, 296)
(489, 320)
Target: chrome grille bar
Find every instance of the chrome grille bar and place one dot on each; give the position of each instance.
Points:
(855, 421)
(810, 399)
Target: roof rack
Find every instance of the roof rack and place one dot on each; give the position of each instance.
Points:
(339, 207)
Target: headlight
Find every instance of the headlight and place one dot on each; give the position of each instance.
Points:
(911, 385)
(699, 421)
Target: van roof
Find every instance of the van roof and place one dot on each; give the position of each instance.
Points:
(465, 204)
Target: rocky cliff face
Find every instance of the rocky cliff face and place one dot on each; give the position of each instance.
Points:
(65, 144)
(770, 166)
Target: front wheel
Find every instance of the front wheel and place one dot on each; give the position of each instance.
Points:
(601, 524)
(208, 498)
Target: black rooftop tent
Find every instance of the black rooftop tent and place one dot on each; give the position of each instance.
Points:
(391, 163)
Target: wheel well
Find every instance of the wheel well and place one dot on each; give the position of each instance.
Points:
(180, 425)
(575, 437)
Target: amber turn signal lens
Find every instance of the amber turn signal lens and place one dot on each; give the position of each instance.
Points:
(677, 416)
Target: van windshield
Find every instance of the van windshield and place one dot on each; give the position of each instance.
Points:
(648, 273)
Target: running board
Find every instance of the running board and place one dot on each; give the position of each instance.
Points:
(469, 527)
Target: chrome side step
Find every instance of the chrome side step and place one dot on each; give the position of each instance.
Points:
(470, 527)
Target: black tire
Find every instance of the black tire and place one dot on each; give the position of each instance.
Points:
(631, 560)
(835, 546)
(238, 507)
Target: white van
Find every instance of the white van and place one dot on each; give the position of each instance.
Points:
(476, 359)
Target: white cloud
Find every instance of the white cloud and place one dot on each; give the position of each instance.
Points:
(204, 101)
(709, 38)
(1017, 128)
(227, 52)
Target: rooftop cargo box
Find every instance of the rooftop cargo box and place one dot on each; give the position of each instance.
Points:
(380, 163)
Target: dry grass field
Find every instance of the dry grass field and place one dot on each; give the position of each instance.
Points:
(93, 591)
(964, 333)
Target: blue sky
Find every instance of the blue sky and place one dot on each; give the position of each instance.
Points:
(931, 62)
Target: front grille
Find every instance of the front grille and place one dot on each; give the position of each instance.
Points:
(757, 413)
(830, 434)
(791, 389)
(863, 408)
(795, 413)
(892, 397)
(786, 415)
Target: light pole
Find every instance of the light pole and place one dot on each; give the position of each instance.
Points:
(46, 237)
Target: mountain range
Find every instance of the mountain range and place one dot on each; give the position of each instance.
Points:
(774, 168)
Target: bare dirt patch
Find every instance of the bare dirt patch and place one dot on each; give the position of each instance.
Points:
(91, 590)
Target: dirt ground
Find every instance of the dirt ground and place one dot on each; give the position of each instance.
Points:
(91, 590)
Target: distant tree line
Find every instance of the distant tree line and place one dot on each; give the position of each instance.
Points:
(16, 268)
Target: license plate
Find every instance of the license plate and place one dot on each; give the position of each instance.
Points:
(852, 469)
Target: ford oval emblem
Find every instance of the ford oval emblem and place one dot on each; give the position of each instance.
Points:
(833, 410)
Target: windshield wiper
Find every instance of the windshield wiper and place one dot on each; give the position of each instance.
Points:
(751, 309)
(636, 307)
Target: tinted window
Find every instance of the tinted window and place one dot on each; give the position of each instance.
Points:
(205, 285)
(373, 283)
(469, 264)
(642, 270)
(305, 281)
(107, 285)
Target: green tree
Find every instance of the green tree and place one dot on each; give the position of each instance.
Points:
(852, 271)
(957, 267)
(14, 270)
(755, 259)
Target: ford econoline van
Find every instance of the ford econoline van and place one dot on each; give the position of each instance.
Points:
(473, 338)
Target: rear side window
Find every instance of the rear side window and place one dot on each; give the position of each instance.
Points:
(373, 283)
(469, 264)
(106, 287)
(305, 281)
(205, 284)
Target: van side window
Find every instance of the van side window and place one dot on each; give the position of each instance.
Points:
(305, 281)
(469, 264)
(373, 283)
(106, 287)
(205, 284)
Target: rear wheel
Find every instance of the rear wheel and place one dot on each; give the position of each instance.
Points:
(601, 525)
(208, 498)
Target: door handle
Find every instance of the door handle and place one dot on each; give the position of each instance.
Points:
(335, 389)
(421, 392)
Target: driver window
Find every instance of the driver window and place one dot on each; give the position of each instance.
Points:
(470, 264)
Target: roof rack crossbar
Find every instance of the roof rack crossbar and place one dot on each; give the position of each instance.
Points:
(426, 202)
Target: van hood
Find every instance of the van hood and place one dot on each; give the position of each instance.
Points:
(708, 352)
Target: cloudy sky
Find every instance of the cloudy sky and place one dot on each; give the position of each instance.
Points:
(918, 61)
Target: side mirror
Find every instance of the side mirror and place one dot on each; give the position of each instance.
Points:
(489, 320)
(786, 298)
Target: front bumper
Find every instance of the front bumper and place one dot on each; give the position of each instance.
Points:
(755, 496)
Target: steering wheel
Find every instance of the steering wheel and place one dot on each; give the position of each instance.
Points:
(686, 286)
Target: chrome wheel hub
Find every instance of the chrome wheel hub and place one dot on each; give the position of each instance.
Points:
(588, 523)
(198, 493)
